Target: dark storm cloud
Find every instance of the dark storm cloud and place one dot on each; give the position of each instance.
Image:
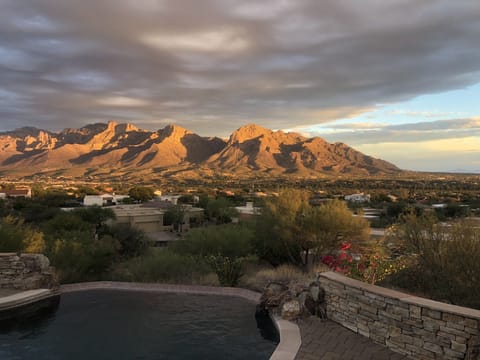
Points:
(213, 65)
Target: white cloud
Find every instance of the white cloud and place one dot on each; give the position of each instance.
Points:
(122, 101)
(221, 40)
(458, 153)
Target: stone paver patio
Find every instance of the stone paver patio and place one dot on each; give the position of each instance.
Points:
(326, 340)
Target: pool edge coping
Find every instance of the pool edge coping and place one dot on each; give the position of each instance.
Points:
(290, 338)
(26, 298)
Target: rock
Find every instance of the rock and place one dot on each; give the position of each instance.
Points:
(294, 301)
(316, 291)
(275, 288)
(291, 310)
(274, 295)
(297, 288)
(26, 272)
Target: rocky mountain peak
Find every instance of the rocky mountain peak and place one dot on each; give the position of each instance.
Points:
(247, 132)
(175, 132)
(116, 149)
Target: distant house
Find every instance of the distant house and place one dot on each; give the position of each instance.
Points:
(149, 218)
(173, 199)
(103, 200)
(25, 193)
(247, 211)
(358, 198)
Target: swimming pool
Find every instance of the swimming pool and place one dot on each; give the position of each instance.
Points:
(115, 324)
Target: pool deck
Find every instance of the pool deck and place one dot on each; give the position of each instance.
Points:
(326, 340)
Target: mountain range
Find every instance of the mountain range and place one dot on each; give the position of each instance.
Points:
(108, 150)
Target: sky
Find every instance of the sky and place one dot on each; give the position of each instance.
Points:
(397, 79)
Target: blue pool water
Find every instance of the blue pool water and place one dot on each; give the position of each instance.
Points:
(109, 324)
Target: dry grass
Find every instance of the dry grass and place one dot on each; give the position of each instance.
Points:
(257, 279)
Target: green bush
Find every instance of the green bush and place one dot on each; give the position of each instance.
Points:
(161, 265)
(226, 240)
(133, 242)
(16, 236)
(228, 270)
(83, 259)
(444, 260)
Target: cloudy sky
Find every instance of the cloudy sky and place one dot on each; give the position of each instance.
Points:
(397, 79)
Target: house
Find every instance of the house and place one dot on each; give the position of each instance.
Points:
(25, 193)
(103, 200)
(173, 199)
(146, 219)
(247, 211)
(358, 198)
(150, 218)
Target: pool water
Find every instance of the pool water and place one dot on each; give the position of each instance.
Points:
(107, 324)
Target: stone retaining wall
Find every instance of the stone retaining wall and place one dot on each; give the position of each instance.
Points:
(421, 328)
(26, 272)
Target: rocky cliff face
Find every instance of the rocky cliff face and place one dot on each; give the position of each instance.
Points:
(114, 149)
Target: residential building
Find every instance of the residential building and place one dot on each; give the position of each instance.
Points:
(358, 198)
(247, 211)
(25, 193)
(103, 200)
(150, 218)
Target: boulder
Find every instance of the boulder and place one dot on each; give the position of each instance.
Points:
(274, 295)
(316, 291)
(291, 310)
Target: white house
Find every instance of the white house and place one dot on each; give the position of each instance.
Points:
(173, 199)
(103, 200)
(248, 209)
(361, 197)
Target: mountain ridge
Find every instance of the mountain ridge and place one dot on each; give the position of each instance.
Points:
(124, 150)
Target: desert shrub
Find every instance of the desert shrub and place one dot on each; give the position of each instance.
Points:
(83, 259)
(132, 241)
(16, 236)
(224, 248)
(161, 266)
(290, 230)
(228, 270)
(231, 241)
(444, 260)
(257, 280)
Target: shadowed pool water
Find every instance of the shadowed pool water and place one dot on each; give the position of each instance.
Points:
(105, 324)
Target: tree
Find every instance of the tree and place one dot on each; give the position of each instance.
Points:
(290, 229)
(223, 247)
(175, 216)
(15, 236)
(96, 216)
(328, 225)
(141, 193)
(230, 240)
(444, 259)
(132, 241)
(278, 226)
(221, 210)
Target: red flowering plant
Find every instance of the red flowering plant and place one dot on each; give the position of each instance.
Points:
(340, 262)
(370, 263)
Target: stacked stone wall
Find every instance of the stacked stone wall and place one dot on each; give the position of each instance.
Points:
(26, 272)
(418, 327)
